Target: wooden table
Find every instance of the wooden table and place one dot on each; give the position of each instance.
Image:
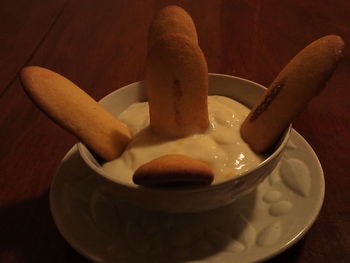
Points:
(101, 46)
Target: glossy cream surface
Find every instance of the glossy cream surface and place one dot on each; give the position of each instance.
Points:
(221, 146)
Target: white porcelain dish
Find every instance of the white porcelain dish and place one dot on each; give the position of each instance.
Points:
(254, 228)
(186, 199)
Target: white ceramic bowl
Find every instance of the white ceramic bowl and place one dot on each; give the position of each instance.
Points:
(196, 199)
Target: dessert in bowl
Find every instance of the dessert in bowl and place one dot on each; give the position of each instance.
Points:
(199, 169)
(187, 198)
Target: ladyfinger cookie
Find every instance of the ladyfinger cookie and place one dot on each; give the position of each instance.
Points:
(303, 77)
(172, 19)
(173, 170)
(75, 111)
(177, 87)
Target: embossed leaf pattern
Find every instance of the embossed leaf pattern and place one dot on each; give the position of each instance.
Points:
(274, 177)
(272, 196)
(243, 231)
(270, 234)
(235, 246)
(280, 208)
(296, 176)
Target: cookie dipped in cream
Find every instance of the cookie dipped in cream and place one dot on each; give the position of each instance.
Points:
(221, 146)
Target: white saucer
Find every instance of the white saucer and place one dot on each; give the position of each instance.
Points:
(260, 225)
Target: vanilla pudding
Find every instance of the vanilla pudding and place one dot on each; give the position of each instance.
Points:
(221, 146)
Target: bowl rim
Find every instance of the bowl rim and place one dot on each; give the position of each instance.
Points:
(82, 149)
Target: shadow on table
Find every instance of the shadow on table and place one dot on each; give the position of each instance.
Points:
(28, 234)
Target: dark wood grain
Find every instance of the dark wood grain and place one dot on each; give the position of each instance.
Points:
(23, 25)
(101, 46)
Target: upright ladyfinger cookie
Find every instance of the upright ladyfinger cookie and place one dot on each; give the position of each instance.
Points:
(177, 87)
(303, 77)
(173, 170)
(76, 111)
(172, 19)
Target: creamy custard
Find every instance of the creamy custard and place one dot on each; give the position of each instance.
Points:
(221, 146)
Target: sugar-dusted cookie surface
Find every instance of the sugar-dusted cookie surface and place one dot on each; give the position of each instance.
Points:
(173, 170)
(172, 19)
(75, 111)
(303, 77)
(177, 87)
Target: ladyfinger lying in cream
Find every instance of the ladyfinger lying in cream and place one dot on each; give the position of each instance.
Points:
(76, 111)
(304, 76)
(173, 169)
